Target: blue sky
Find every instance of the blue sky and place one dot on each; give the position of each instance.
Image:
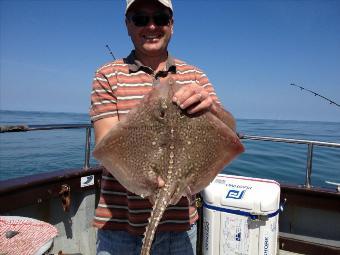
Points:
(250, 50)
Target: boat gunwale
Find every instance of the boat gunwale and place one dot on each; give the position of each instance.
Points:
(49, 182)
(38, 188)
(29, 181)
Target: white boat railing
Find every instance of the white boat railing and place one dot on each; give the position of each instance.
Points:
(310, 143)
(26, 128)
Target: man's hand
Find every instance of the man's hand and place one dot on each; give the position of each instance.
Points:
(193, 98)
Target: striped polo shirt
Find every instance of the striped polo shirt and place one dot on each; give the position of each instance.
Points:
(117, 88)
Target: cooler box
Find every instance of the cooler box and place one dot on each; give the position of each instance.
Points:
(240, 216)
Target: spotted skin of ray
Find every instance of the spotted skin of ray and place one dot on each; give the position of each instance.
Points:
(157, 138)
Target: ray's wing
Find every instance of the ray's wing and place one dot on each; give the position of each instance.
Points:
(202, 146)
(132, 150)
(221, 146)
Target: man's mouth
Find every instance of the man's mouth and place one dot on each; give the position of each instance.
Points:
(152, 37)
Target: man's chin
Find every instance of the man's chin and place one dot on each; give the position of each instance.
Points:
(154, 51)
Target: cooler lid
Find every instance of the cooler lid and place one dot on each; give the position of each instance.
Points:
(252, 194)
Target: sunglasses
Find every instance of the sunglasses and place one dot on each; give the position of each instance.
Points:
(160, 19)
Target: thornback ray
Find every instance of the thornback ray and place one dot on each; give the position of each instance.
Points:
(157, 138)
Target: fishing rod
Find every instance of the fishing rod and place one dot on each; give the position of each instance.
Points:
(316, 94)
(108, 47)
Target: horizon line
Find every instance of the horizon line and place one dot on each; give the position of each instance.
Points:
(237, 118)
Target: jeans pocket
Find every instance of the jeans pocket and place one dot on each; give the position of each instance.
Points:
(193, 230)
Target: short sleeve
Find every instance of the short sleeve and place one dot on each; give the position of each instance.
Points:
(103, 95)
(203, 80)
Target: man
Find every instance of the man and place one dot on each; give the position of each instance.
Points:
(118, 87)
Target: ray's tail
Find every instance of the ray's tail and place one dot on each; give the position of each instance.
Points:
(161, 203)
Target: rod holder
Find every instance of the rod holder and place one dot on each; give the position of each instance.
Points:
(87, 148)
(308, 182)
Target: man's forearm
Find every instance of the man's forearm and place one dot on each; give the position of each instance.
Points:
(223, 115)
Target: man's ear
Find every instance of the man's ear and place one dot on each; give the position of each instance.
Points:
(172, 26)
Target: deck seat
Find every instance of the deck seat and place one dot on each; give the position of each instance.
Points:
(26, 236)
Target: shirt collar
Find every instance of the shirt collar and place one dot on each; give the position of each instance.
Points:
(135, 65)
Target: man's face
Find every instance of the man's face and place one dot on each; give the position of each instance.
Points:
(151, 39)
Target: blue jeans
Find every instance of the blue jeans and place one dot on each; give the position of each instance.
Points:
(110, 242)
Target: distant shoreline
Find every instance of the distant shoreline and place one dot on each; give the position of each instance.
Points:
(49, 112)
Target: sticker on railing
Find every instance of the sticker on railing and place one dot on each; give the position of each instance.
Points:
(87, 181)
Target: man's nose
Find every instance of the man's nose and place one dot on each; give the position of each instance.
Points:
(151, 24)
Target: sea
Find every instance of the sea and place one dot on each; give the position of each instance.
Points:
(35, 152)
